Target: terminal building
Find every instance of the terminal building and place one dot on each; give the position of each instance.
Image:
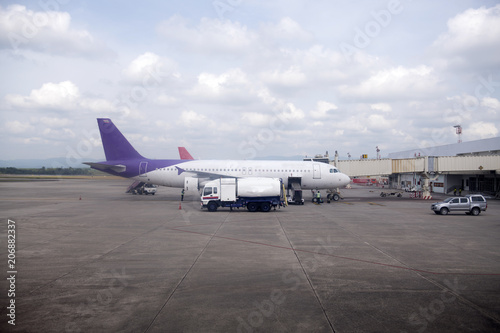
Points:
(468, 167)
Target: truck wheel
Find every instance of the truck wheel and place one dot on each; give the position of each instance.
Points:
(475, 211)
(265, 207)
(252, 207)
(212, 206)
(443, 211)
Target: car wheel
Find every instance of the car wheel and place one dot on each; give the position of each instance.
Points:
(443, 211)
(475, 211)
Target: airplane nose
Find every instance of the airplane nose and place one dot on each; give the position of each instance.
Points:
(345, 179)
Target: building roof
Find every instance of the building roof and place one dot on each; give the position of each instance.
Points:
(477, 147)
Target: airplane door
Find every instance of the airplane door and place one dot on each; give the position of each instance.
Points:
(143, 169)
(316, 171)
(191, 184)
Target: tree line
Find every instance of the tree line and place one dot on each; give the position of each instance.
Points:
(48, 171)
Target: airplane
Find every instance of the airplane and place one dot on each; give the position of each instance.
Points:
(123, 160)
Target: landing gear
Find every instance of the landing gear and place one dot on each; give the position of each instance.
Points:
(332, 196)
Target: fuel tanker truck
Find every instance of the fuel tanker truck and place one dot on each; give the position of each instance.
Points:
(254, 193)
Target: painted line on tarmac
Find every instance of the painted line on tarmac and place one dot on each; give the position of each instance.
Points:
(335, 256)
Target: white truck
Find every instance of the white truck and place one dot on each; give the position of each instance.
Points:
(254, 193)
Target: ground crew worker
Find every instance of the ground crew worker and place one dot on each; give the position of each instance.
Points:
(318, 197)
(455, 191)
(182, 195)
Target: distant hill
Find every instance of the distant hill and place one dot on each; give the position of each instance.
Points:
(40, 163)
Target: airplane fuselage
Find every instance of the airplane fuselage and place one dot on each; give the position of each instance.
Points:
(312, 175)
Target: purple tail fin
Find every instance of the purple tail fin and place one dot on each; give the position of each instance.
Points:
(116, 146)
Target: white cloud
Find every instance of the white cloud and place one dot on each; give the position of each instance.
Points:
(471, 39)
(378, 122)
(191, 119)
(18, 127)
(164, 99)
(285, 29)
(255, 119)
(56, 122)
(481, 130)
(149, 69)
(291, 77)
(291, 112)
(47, 31)
(210, 35)
(384, 107)
(231, 86)
(323, 110)
(491, 103)
(397, 83)
(58, 134)
(63, 96)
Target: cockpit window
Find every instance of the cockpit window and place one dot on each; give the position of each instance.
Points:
(332, 170)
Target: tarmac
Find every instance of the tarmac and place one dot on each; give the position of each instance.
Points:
(90, 258)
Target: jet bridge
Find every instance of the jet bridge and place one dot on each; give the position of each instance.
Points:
(426, 164)
(428, 167)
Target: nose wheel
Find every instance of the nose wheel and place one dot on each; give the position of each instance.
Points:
(333, 196)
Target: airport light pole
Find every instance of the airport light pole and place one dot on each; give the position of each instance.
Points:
(459, 132)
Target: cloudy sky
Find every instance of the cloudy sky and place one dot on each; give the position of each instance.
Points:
(241, 79)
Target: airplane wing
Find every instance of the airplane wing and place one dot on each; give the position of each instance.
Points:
(104, 167)
(204, 174)
(184, 154)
